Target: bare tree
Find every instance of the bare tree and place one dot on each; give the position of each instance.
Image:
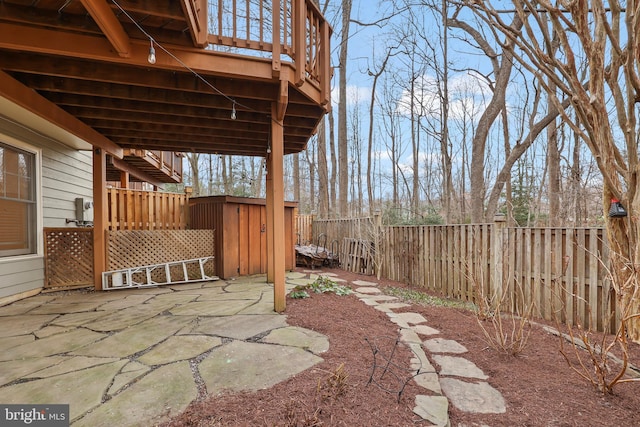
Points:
(343, 154)
(605, 101)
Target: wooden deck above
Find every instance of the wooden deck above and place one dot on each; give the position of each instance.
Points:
(220, 66)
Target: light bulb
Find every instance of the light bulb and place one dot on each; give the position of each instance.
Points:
(152, 54)
(233, 111)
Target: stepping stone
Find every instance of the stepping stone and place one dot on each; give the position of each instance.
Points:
(365, 284)
(240, 327)
(368, 290)
(303, 338)
(247, 366)
(378, 297)
(440, 345)
(388, 307)
(409, 336)
(179, 348)
(425, 330)
(458, 367)
(478, 398)
(430, 381)
(410, 318)
(434, 409)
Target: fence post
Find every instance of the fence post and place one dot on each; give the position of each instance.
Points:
(377, 243)
(497, 255)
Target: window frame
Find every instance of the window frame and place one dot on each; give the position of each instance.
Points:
(35, 246)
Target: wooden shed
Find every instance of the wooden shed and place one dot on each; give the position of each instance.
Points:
(240, 225)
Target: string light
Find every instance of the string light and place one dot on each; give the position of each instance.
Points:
(152, 60)
(152, 53)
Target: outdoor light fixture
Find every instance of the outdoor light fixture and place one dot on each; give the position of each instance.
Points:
(617, 210)
(233, 111)
(152, 54)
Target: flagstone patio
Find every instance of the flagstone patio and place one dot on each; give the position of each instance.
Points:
(137, 357)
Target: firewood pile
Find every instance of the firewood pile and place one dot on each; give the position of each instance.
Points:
(312, 256)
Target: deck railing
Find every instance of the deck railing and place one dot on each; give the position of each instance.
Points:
(146, 210)
(294, 28)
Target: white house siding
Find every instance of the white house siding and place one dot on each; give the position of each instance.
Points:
(65, 175)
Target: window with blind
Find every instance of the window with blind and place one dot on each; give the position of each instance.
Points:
(17, 201)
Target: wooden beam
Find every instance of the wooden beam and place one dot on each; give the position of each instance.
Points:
(283, 101)
(196, 13)
(277, 211)
(99, 216)
(129, 169)
(29, 99)
(51, 42)
(110, 26)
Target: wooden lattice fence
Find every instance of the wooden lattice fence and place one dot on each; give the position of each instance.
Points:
(137, 248)
(68, 257)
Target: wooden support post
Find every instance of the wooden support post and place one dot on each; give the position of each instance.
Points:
(275, 211)
(124, 180)
(99, 215)
(269, 208)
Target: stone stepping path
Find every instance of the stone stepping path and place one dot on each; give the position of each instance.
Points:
(459, 381)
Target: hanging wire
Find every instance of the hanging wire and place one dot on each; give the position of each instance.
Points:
(186, 67)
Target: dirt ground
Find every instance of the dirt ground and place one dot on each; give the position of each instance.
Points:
(539, 387)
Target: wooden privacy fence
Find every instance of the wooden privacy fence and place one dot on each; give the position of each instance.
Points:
(146, 210)
(560, 272)
(304, 229)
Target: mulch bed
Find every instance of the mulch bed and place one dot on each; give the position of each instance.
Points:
(538, 385)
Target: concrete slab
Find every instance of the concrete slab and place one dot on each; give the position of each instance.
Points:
(434, 409)
(179, 348)
(478, 398)
(240, 366)
(55, 344)
(23, 324)
(458, 367)
(240, 327)
(298, 337)
(135, 338)
(163, 393)
(83, 390)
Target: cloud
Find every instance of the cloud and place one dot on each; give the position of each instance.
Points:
(355, 94)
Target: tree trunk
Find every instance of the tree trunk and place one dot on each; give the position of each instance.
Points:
(343, 155)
